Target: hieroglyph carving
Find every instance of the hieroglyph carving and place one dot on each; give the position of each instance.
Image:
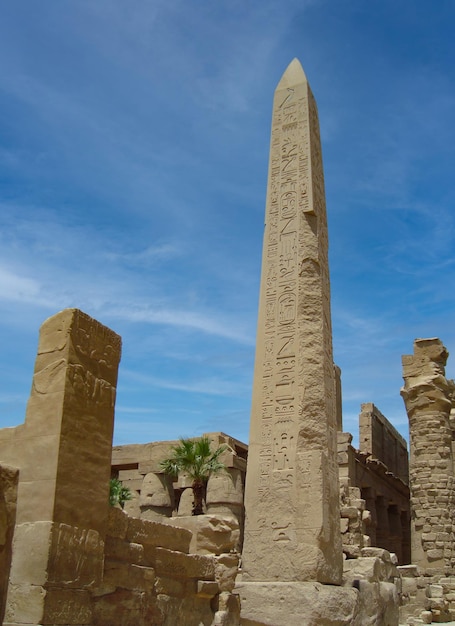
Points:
(293, 397)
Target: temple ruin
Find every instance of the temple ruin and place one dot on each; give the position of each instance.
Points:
(300, 528)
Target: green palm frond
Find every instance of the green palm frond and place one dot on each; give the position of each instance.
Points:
(195, 458)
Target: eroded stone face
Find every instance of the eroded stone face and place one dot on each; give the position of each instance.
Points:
(157, 496)
(292, 509)
(62, 511)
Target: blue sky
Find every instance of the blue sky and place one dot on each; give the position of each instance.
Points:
(134, 144)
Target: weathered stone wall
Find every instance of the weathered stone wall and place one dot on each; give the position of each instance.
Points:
(63, 454)
(380, 440)
(151, 578)
(386, 514)
(9, 477)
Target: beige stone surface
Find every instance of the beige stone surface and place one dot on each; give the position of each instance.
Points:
(66, 440)
(153, 533)
(31, 548)
(186, 503)
(179, 565)
(127, 607)
(76, 557)
(25, 604)
(157, 496)
(292, 509)
(428, 397)
(297, 604)
(117, 523)
(225, 487)
(211, 534)
(378, 604)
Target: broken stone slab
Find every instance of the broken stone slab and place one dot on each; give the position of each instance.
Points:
(378, 604)
(295, 604)
(152, 533)
(211, 534)
(365, 568)
(177, 565)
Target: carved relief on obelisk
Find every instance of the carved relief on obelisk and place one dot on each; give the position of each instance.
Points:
(292, 525)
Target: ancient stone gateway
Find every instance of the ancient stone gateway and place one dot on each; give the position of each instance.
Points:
(292, 528)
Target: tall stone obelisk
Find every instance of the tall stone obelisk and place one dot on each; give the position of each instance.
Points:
(292, 529)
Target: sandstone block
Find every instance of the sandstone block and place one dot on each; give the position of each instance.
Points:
(297, 604)
(157, 491)
(158, 534)
(186, 503)
(76, 557)
(31, 548)
(226, 570)
(157, 452)
(378, 604)
(128, 608)
(170, 587)
(128, 576)
(120, 550)
(349, 512)
(380, 553)
(25, 604)
(68, 606)
(207, 588)
(364, 568)
(117, 523)
(211, 534)
(177, 565)
(225, 487)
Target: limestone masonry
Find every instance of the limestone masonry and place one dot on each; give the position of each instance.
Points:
(300, 528)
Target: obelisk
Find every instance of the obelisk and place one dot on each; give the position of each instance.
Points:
(292, 529)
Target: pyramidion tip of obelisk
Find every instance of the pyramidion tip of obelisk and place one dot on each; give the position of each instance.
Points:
(293, 74)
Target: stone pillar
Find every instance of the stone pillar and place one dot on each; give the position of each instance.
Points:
(395, 532)
(157, 496)
(406, 539)
(426, 394)
(369, 495)
(292, 497)
(64, 453)
(382, 522)
(338, 399)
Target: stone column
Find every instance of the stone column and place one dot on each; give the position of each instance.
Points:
(382, 522)
(292, 528)
(369, 495)
(338, 399)
(395, 532)
(64, 454)
(426, 394)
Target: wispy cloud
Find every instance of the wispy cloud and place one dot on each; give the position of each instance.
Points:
(208, 386)
(134, 155)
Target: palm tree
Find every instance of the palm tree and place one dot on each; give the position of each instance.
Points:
(118, 494)
(195, 458)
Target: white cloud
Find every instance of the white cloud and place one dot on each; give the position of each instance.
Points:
(19, 288)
